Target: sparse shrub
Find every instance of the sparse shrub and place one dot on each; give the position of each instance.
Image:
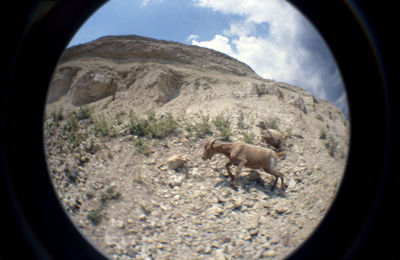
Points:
(153, 126)
(331, 144)
(288, 132)
(162, 127)
(137, 126)
(272, 123)
(76, 137)
(109, 194)
(95, 216)
(240, 122)
(102, 128)
(84, 112)
(76, 116)
(203, 128)
(71, 124)
(187, 126)
(142, 148)
(118, 120)
(92, 147)
(223, 125)
(248, 138)
(322, 134)
(151, 116)
(57, 116)
(138, 179)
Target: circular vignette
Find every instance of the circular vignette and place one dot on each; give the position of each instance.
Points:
(34, 220)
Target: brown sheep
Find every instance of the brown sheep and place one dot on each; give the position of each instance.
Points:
(242, 154)
(271, 137)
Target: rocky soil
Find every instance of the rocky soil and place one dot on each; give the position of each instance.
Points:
(146, 195)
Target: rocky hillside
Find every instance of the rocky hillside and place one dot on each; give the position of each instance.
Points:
(125, 126)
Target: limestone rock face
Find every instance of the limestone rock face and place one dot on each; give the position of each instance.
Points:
(61, 83)
(159, 85)
(92, 85)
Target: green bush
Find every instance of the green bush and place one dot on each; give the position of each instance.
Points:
(272, 123)
(92, 147)
(119, 120)
(102, 128)
(57, 116)
(137, 126)
(248, 138)
(223, 125)
(198, 129)
(203, 128)
(76, 137)
(152, 126)
(84, 112)
(142, 148)
(95, 216)
(162, 127)
(187, 126)
(74, 118)
(71, 125)
(109, 194)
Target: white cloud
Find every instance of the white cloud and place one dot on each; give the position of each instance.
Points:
(219, 43)
(192, 37)
(147, 2)
(282, 17)
(272, 55)
(286, 52)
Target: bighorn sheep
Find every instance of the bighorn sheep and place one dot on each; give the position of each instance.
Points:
(271, 136)
(242, 154)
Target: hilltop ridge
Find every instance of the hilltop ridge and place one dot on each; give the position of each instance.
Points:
(137, 48)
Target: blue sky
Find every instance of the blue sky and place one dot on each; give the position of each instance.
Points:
(270, 36)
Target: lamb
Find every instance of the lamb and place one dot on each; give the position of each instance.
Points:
(243, 154)
(271, 136)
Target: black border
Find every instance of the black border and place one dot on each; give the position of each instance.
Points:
(359, 224)
(34, 223)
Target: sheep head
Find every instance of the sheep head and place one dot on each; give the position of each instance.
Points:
(209, 150)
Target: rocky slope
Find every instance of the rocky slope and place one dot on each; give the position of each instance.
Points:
(125, 125)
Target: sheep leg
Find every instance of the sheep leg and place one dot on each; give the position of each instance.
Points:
(274, 185)
(229, 170)
(239, 169)
(277, 176)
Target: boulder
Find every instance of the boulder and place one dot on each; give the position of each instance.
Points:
(176, 161)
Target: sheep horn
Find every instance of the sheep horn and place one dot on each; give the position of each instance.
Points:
(215, 139)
